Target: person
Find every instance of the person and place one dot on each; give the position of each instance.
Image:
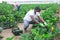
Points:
(32, 17)
(16, 7)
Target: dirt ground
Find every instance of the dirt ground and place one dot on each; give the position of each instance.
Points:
(8, 32)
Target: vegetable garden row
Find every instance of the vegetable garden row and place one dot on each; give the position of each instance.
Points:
(10, 18)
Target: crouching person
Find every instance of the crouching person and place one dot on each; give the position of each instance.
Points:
(33, 16)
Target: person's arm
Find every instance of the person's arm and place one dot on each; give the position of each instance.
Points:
(34, 19)
(41, 19)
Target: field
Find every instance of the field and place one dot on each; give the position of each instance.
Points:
(10, 19)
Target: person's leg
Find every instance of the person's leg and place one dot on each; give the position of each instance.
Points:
(26, 24)
(18, 8)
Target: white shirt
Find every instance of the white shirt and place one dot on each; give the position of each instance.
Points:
(31, 12)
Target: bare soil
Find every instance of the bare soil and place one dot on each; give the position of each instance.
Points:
(8, 32)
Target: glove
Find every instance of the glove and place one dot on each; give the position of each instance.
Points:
(41, 24)
(45, 23)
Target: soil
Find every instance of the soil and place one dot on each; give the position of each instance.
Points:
(8, 32)
(57, 38)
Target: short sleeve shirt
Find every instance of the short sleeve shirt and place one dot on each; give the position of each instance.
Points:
(31, 12)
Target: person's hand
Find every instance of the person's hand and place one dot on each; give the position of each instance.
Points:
(45, 23)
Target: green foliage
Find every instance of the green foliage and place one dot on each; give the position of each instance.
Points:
(6, 15)
(0, 31)
(9, 16)
(24, 37)
(10, 38)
